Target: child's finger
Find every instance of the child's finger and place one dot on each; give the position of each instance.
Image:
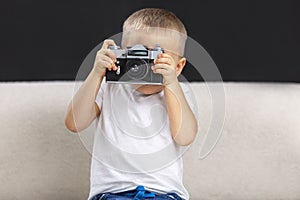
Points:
(107, 59)
(109, 53)
(163, 60)
(107, 42)
(160, 71)
(107, 65)
(160, 66)
(164, 55)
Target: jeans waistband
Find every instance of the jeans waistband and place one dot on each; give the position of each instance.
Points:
(138, 194)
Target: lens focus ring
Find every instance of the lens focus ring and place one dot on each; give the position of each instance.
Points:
(137, 69)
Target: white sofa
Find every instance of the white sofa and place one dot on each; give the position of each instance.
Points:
(257, 156)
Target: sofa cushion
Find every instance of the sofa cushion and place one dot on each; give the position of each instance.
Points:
(256, 157)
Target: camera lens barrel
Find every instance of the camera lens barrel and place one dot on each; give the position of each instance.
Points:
(137, 69)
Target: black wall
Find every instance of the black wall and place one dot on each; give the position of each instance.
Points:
(248, 40)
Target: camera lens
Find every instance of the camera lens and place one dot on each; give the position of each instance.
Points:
(137, 69)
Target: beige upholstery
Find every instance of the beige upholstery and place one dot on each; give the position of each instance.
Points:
(257, 156)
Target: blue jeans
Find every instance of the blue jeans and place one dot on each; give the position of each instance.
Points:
(138, 194)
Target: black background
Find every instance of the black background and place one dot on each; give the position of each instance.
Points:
(248, 40)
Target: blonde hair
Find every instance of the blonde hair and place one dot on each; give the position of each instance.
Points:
(156, 20)
(154, 17)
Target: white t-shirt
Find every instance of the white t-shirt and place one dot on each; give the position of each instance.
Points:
(133, 144)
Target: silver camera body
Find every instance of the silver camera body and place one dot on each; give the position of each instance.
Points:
(134, 65)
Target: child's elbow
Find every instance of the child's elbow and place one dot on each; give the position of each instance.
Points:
(185, 139)
(70, 124)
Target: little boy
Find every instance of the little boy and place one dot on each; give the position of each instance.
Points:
(137, 123)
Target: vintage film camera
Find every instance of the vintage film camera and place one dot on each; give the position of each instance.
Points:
(134, 65)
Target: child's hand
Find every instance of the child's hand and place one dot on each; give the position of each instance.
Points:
(166, 66)
(105, 58)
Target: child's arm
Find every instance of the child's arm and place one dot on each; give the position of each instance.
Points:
(183, 124)
(82, 109)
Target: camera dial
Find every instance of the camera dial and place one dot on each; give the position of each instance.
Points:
(114, 47)
(157, 48)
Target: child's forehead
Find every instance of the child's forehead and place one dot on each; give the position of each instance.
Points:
(149, 39)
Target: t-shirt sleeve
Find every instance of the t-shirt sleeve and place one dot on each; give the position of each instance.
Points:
(100, 94)
(190, 98)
